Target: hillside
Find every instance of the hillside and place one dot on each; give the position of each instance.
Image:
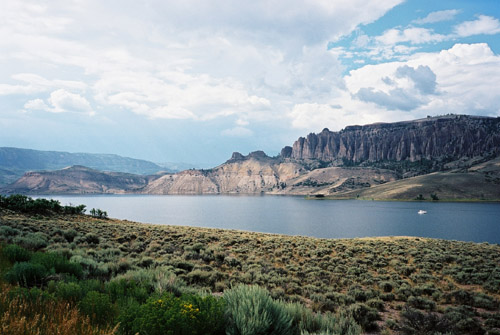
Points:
(386, 284)
(77, 180)
(14, 162)
(480, 182)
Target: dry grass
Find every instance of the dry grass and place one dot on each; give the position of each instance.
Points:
(20, 316)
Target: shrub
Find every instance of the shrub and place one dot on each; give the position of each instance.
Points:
(365, 316)
(482, 300)
(376, 303)
(57, 263)
(172, 315)
(32, 241)
(387, 286)
(251, 310)
(31, 295)
(463, 320)
(98, 307)
(414, 322)
(119, 289)
(15, 253)
(26, 274)
(421, 303)
(305, 321)
(70, 234)
(8, 232)
(201, 277)
(71, 292)
(80, 209)
(91, 238)
(22, 203)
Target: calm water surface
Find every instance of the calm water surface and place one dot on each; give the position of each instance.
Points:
(478, 222)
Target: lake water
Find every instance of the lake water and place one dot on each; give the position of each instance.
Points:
(478, 222)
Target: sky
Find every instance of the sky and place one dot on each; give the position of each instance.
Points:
(192, 81)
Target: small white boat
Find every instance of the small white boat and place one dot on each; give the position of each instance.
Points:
(422, 212)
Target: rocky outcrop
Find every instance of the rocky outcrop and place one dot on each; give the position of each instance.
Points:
(255, 173)
(438, 138)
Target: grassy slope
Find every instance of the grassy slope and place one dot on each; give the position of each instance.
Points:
(324, 274)
(481, 182)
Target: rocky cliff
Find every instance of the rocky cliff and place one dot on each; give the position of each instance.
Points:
(254, 173)
(435, 138)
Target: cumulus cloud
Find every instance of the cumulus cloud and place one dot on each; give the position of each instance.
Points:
(423, 77)
(36, 105)
(176, 95)
(61, 101)
(237, 132)
(64, 101)
(183, 60)
(395, 99)
(483, 25)
(458, 80)
(438, 16)
(461, 79)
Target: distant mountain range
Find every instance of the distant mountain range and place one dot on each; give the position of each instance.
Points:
(448, 157)
(14, 162)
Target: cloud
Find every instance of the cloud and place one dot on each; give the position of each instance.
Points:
(175, 95)
(457, 80)
(33, 83)
(461, 80)
(61, 101)
(423, 77)
(395, 99)
(64, 101)
(237, 132)
(412, 35)
(399, 42)
(483, 25)
(182, 60)
(36, 105)
(313, 115)
(438, 16)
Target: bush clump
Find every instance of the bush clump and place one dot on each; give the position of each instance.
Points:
(15, 253)
(26, 274)
(168, 314)
(251, 310)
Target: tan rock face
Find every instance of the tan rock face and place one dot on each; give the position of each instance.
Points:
(241, 175)
(433, 138)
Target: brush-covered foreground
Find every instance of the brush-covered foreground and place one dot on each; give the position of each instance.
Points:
(123, 277)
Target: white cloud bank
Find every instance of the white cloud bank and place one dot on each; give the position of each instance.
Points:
(61, 101)
(177, 59)
(247, 61)
(462, 80)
